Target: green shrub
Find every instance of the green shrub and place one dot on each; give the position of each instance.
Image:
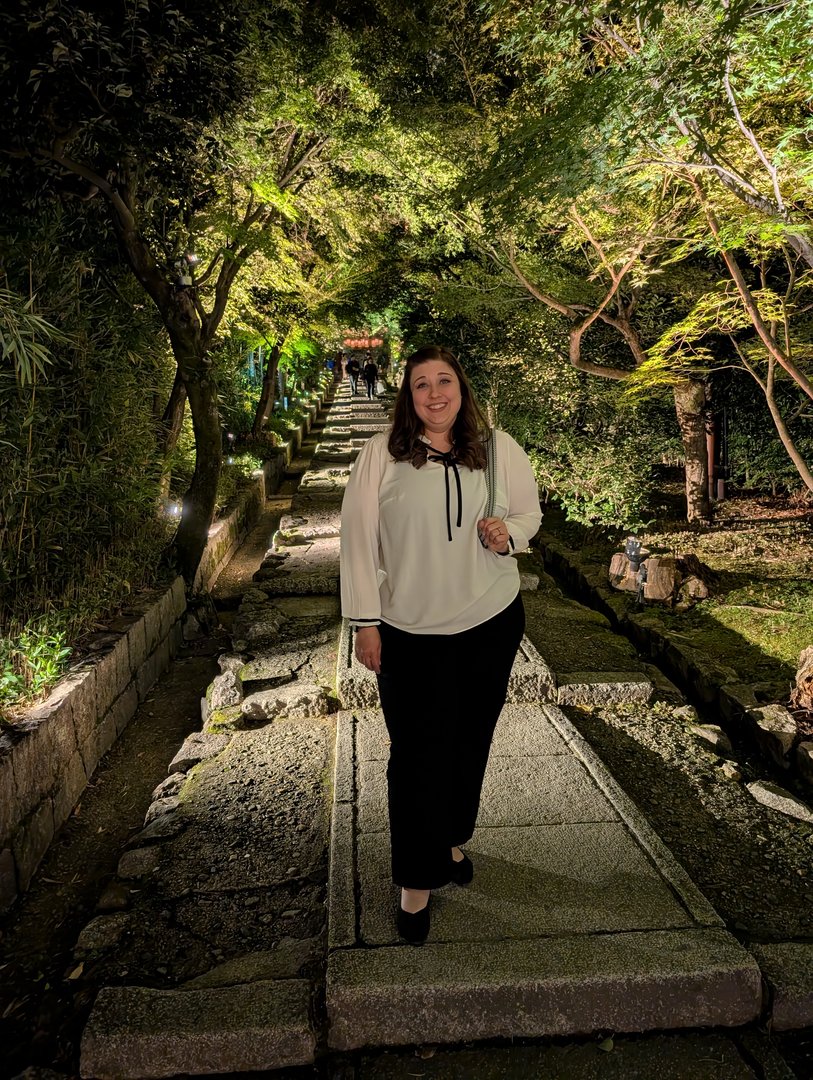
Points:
(32, 661)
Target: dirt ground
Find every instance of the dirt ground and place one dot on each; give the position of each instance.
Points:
(40, 1019)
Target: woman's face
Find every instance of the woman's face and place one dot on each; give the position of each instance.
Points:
(435, 395)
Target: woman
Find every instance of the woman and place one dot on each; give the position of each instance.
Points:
(434, 598)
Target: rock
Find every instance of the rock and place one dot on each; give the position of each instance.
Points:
(284, 962)
(222, 720)
(694, 588)
(714, 736)
(253, 597)
(687, 713)
(267, 668)
(620, 575)
(730, 771)
(225, 690)
(163, 828)
(775, 731)
(171, 786)
(139, 863)
(662, 578)
(161, 808)
(192, 629)
(772, 795)
(296, 701)
(804, 761)
(230, 662)
(198, 747)
(528, 582)
(103, 932)
(135, 1031)
(802, 696)
(116, 897)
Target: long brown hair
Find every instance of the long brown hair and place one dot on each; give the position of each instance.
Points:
(469, 430)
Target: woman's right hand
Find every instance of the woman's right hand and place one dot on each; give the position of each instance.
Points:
(368, 648)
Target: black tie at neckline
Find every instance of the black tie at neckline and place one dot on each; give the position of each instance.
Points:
(448, 461)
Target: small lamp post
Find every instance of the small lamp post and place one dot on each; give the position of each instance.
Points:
(185, 266)
(632, 549)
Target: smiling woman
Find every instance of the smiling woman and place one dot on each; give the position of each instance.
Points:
(431, 598)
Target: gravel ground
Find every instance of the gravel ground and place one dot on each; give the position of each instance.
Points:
(753, 864)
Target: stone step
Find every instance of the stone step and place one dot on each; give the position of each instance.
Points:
(531, 679)
(135, 1033)
(456, 992)
(602, 687)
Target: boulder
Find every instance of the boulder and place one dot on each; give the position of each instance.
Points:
(775, 731)
(772, 795)
(662, 578)
(715, 737)
(296, 701)
(226, 690)
(620, 575)
(804, 761)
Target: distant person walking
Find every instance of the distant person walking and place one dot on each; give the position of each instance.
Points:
(370, 377)
(353, 370)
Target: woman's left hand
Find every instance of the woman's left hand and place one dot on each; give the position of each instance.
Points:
(493, 534)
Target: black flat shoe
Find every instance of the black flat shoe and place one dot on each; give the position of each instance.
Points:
(463, 871)
(413, 926)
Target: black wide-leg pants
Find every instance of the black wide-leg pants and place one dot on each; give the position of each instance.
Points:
(441, 695)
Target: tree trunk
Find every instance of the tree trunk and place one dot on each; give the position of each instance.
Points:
(171, 424)
(195, 369)
(782, 430)
(266, 402)
(690, 403)
(172, 420)
(199, 501)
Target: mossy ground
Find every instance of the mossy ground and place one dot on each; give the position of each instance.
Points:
(760, 615)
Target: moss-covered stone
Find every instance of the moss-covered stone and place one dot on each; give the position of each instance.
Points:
(230, 719)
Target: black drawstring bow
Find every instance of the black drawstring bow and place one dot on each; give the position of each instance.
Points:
(447, 460)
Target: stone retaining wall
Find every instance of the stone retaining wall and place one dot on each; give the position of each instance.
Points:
(47, 758)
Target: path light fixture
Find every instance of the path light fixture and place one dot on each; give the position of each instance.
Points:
(632, 549)
(185, 266)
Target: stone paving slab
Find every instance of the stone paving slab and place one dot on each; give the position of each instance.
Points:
(530, 882)
(138, 1033)
(565, 866)
(788, 970)
(522, 731)
(530, 988)
(517, 791)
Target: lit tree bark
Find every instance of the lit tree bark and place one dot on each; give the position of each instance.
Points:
(266, 402)
(690, 407)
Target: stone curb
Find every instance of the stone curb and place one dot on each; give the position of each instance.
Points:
(694, 901)
(529, 989)
(788, 971)
(135, 1033)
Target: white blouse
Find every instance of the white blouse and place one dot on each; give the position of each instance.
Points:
(398, 564)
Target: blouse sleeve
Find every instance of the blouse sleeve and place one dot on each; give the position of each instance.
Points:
(524, 514)
(359, 541)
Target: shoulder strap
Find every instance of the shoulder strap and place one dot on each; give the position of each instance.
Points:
(491, 474)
